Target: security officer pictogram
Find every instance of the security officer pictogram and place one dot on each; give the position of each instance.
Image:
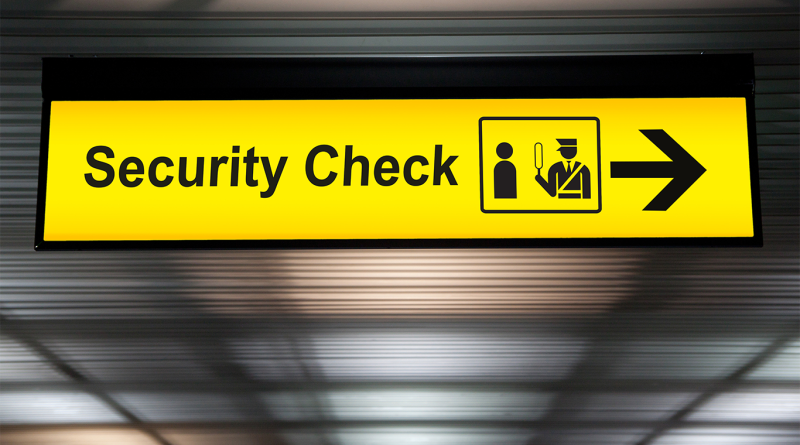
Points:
(565, 179)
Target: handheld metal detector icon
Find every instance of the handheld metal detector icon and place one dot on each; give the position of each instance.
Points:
(538, 161)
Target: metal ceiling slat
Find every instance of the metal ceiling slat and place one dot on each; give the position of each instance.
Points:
(134, 45)
(261, 28)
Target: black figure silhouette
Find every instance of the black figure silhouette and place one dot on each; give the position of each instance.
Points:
(505, 174)
(565, 180)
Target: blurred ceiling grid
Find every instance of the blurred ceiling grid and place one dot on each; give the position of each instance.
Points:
(542, 346)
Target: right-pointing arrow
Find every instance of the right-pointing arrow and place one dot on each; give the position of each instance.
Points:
(683, 169)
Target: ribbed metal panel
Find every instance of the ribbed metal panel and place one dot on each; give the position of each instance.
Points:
(540, 346)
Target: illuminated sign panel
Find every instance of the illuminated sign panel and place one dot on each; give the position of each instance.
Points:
(339, 172)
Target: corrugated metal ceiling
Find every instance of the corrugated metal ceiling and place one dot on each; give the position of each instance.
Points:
(540, 346)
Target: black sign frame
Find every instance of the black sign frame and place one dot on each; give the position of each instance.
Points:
(522, 77)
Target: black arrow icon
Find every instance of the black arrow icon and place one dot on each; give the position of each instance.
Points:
(683, 169)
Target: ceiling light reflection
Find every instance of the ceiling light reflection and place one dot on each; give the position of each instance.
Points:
(409, 405)
(43, 407)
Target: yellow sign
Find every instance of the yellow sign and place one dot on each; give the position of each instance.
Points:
(398, 169)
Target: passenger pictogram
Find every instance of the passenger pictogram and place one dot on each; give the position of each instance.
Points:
(505, 175)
